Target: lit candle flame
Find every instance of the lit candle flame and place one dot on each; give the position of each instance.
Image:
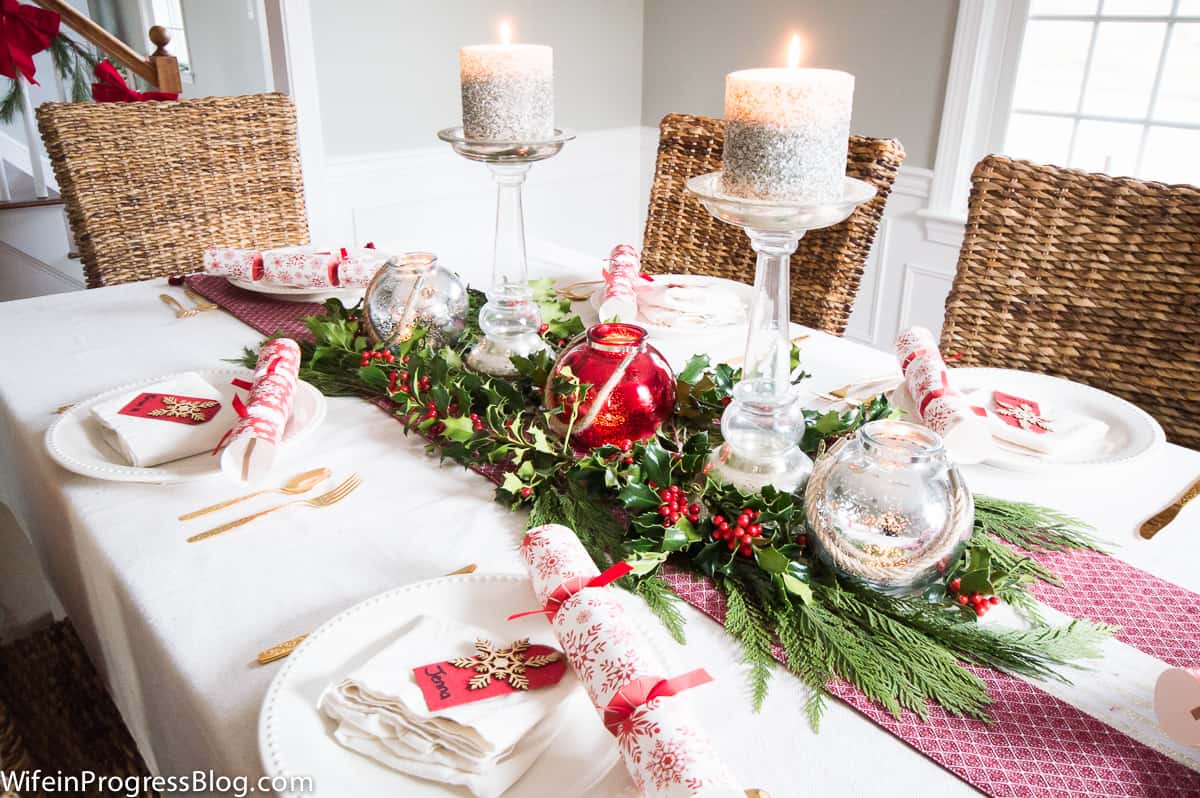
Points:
(505, 32)
(793, 58)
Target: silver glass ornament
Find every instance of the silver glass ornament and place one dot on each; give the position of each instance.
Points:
(412, 290)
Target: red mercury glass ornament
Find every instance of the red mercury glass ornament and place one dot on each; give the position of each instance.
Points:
(632, 388)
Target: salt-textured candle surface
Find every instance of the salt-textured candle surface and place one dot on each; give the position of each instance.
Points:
(507, 92)
(786, 133)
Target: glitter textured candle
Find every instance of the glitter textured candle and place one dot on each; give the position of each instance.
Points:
(786, 133)
(507, 91)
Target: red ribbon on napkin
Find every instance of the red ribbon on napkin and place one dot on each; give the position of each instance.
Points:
(572, 586)
(110, 87)
(24, 32)
(642, 691)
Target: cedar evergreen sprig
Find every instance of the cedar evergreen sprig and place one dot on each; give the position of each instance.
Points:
(902, 652)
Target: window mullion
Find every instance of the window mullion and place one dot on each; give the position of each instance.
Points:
(1083, 85)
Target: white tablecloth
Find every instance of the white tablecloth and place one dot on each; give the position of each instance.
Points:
(175, 627)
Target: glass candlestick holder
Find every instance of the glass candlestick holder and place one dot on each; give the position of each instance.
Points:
(510, 318)
(763, 424)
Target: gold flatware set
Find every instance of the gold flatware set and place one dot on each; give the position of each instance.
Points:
(843, 395)
(199, 304)
(327, 499)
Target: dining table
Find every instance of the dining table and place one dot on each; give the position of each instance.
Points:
(174, 627)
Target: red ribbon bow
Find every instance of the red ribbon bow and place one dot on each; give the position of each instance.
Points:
(571, 586)
(24, 32)
(110, 87)
(642, 691)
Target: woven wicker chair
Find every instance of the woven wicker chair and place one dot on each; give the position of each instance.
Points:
(682, 237)
(148, 185)
(1085, 276)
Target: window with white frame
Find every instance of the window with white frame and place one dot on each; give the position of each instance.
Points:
(1110, 86)
(169, 14)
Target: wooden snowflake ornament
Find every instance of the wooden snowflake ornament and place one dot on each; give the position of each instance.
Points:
(502, 664)
(184, 408)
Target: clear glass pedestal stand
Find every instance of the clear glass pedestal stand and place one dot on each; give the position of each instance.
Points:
(510, 318)
(763, 424)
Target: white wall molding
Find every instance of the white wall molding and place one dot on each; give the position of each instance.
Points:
(978, 97)
(912, 273)
(913, 181)
(289, 28)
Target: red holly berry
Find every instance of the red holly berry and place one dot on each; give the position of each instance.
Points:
(562, 341)
(725, 400)
(955, 584)
(626, 445)
(526, 492)
(732, 544)
(627, 460)
(718, 520)
(802, 540)
(963, 600)
(542, 330)
(747, 549)
(994, 600)
(743, 520)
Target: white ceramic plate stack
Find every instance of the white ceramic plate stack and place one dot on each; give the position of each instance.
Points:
(1132, 432)
(730, 289)
(76, 443)
(295, 738)
(294, 293)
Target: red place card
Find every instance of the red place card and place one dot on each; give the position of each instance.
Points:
(492, 672)
(167, 407)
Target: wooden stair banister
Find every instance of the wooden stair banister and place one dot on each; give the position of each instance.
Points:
(160, 69)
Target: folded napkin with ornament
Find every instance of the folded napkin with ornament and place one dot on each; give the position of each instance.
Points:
(413, 706)
(622, 274)
(667, 753)
(1036, 425)
(169, 420)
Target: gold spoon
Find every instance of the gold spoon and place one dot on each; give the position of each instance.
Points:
(301, 483)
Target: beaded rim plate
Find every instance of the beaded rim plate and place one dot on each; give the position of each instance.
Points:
(75, 443)
(1132, 432)
(296, 293)
(294, 738)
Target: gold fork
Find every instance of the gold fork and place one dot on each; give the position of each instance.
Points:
(324, 500)
(180, 311)
(201, 303)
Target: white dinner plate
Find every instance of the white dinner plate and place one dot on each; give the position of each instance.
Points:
(1132, 432)
(294, 738)
(76, 443)
(736, 291)
(294, 293)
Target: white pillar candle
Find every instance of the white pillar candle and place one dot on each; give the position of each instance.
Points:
(787, 131)
(507, 91)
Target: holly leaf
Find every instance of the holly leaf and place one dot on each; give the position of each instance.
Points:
(374, 377)
(680, 535)
(458, 428)
(656, 464)
(647, 562)
(638, 497)
(540, 442)
(771, 560)
(797, 588)
(512, 483)
(694, 369)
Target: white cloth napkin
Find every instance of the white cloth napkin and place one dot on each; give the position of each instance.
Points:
(668, 304)
(1070, 434)
(485, 746)
(146, 442)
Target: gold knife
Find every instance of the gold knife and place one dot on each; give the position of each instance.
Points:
(1152, 527)
(288, 646)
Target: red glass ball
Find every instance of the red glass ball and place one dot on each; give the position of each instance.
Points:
(632, 388)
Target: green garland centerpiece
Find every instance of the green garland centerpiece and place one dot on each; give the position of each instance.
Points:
(651, 503)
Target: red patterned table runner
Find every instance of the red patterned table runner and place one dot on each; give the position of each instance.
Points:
(1037, 745)
(268, 316)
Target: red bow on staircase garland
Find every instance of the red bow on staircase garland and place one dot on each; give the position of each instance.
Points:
(112, 88)
(24, 32)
